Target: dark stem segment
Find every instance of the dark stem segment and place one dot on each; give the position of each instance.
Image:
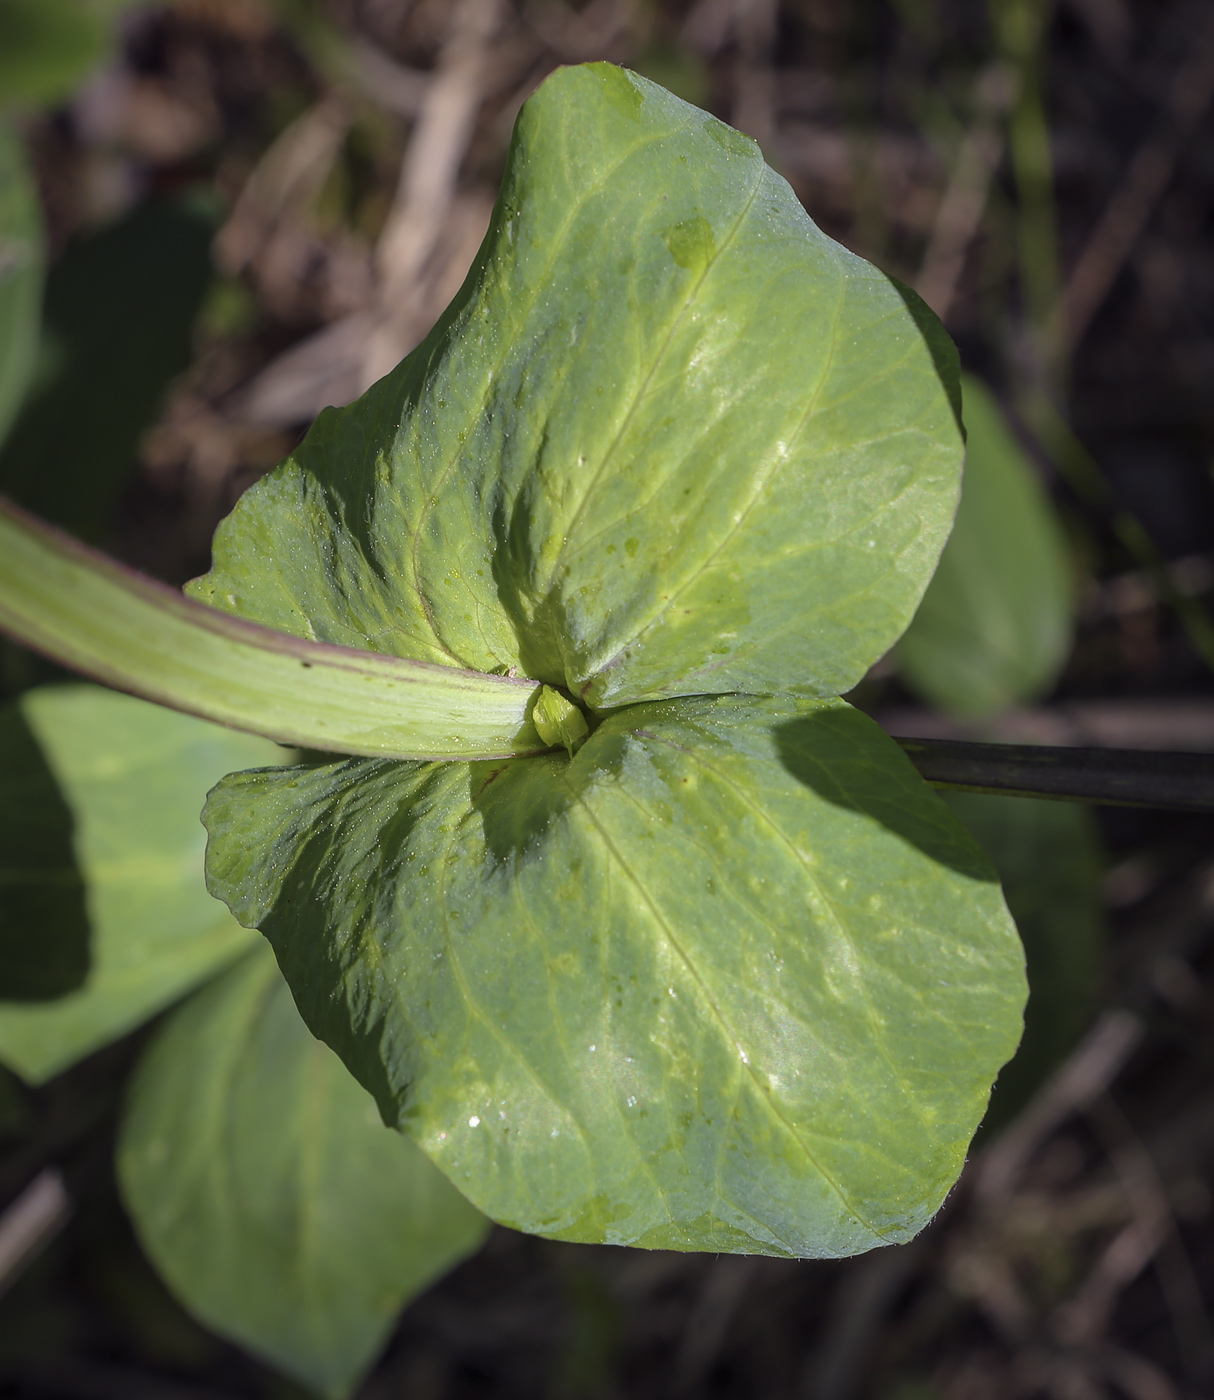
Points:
(1119, 777)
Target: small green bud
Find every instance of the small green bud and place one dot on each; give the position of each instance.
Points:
(559, 721)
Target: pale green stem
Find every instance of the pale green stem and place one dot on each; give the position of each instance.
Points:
(93, 615)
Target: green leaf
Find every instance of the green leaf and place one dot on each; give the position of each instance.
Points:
(732, 978)
(120, 307)
(101, 866)
(268, 1192)
(21, 259)
(1049, 859)
(668, 439)
(994, 628)
(47, 47)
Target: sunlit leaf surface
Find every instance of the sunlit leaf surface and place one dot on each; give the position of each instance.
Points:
(668, 439)
(730, 979)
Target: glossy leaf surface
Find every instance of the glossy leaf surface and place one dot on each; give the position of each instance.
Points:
(21, 258)
(668, 439)
(732, 978)
(267, 1190)
(105, 918)
(994, 627)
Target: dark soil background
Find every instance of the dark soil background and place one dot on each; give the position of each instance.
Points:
(257, 208)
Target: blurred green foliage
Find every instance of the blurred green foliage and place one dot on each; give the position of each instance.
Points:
(21, 271)
(994, 627)
(48, 47)
(1049, 859)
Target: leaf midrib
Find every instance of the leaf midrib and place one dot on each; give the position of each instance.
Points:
(717, 1014)
(689, 297)
(539, 286)
(811, 879)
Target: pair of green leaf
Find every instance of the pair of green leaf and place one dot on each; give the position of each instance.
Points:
(730, 977)
(259, 1175)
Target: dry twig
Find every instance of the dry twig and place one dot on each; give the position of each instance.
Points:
(31, 1222)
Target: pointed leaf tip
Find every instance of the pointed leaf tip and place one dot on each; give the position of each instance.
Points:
(668, 439)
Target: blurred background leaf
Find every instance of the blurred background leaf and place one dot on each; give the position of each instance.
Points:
(21, 273)
(1049, 859)
(47, 47)
(44, 922)
(268, 1191)
(994, 627)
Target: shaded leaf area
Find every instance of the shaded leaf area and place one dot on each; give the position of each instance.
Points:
(21, 259)
(268, 1192)
(118, 314)
(994, 627)
(668, 439)
(694, 988)
(101, 807)
(1049, 859)
(44, 922)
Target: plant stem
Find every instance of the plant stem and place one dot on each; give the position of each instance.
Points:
(85, 611)
(1117, 777)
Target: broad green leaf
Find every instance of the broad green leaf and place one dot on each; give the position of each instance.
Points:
(1049, 860)
(268, 1192)
(21, 259)
(994, 627)
(101, 868)
(668, 439)
(732, 978)
(120, 307)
